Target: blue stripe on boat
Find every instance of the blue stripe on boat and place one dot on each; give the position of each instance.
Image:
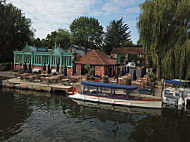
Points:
(173, 81)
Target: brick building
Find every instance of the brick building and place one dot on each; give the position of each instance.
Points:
(99, 61)
(138, 51)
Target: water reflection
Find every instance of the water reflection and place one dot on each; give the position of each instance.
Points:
(14, 111)
(31, 116)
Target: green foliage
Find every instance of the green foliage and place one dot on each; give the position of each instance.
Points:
(63, 38)
(132, 57)
(39, 72)
(152, 76)
(116, 35)
(87, 68)
(14, 30)
(150, 62)
(164, 24)
(128, 81)
(6, 65)
(62, 71)
(36, 42)
(86, 32)
(105, 79)
(135, 58)
(92, 71)
(122, 58)
(128, 44)
(20, 64)
(49, 41)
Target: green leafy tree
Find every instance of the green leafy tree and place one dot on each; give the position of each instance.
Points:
(50, 40)
(164, 24)
(63, 38)
(117, 35)
(86, 32)
(36, 42)
(128, 44)
(15, 30)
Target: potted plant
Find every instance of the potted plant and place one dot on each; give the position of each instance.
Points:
(128, 81)
(105, 79)
(87, 68)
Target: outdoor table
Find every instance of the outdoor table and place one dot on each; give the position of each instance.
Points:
(64, 80)
(43, 75)
(24, 75)
(54, 79)
(30, 77)
(45, 79)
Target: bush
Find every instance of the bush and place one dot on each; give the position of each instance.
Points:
(5, 66)
(105, 79)
(152, 76)
(39, 72)
(128, 81)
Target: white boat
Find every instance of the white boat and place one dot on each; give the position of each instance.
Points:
(113, 94)
(173, 95)
(119, 108)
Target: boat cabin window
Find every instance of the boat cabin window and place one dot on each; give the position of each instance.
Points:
(119, 92)
(105, 91)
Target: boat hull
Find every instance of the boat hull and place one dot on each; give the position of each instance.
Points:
(118, 101)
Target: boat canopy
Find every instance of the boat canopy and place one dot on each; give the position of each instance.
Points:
(115, 86)
(173, 82)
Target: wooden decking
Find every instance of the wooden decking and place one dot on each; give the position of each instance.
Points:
(17, 83)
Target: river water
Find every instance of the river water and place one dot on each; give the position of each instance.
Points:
(27, 116)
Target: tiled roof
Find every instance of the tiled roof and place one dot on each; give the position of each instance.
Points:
(125, 50)
(95, 57)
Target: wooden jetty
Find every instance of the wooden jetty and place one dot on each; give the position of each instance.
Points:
(17, 83)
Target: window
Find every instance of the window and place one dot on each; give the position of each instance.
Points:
(45, 59)
(27, 59)
(18, 58)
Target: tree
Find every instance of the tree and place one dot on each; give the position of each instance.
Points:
(116, 35)
(86, 32)
(36, 42)
(15, 30)
(63, 38)
(164, 24)
(50, 39)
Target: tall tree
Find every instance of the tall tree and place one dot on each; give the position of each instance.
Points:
(50, 39)
(15, 30)
(63, 38)
(116, 35)
(164, 24)
(36, 42)
(86, 32)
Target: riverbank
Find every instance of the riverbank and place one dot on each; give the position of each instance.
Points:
(10, 80)
(7, 74)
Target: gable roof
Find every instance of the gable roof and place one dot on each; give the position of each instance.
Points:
(28, 48)
(57, 50)
(95, 57)
(126, 50)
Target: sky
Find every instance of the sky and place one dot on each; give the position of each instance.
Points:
(50, 15)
